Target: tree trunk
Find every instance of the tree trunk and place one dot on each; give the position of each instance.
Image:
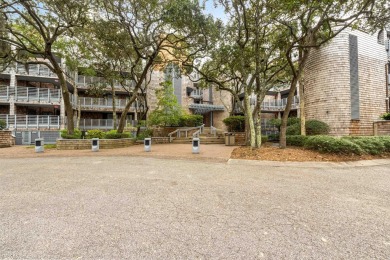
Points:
(249, 116)
(113, 105)
(302, 107)
(77, 102)
(122, 121)
(79, 114)
(65, 93)
(283, 127)
(259, 101)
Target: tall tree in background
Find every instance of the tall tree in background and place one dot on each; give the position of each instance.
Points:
(157, 32)
(245, 60)
(34, 29)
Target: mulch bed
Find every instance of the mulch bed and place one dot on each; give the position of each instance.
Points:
(270, 152)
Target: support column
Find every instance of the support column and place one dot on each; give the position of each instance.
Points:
(12, 92)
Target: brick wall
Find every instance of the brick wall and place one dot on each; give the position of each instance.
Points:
(85, 144)
(382, 127)
(327, 84)
(6, 139)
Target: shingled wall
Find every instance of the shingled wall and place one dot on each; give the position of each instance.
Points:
(328, 80)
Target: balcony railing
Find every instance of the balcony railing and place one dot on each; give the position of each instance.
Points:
(196, 94)
(5, 93)
(30, 94)
(54, 122)
(43, 95)
(274, 105)
(35, 70)
(31, 121)
(87, 81)
(101, 103)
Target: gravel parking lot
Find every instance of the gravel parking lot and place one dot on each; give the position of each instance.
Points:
(115, 207)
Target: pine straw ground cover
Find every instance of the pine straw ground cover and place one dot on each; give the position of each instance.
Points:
(270, 152)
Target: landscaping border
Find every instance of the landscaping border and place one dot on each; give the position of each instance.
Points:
(85, 144)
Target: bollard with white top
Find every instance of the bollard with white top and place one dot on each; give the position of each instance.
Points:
(95, 144)
(195, 145)
(148, 144)
(39, 145)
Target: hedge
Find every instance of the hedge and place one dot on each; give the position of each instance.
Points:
(191, 120)
(235, 123)
(330, 144)
(112, 134)
(374, 145)
(296, 140)
(313, 127)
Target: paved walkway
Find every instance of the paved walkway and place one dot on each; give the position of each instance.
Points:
(146, 208)
(210, 152)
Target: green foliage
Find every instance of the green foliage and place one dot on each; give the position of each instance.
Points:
(277, 122)
(168, 110)
(317, 127)
(264, 139)
(95, 133)
(328, 144)
(386, 142)
(296, 140)
(191, 120)
(113, 134)
(313, 127)
(3, 124)
(145, 134)
(293, 129)
(76, 134)
(235, 123)
(273, 137)
(371, 144)
(385, 116)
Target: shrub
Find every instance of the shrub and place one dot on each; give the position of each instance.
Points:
(371, 144)
(385, 116)
(277, 122)
(317, 127)
(330, 144)
(191, 120)
(264, 139)
(145, 134)
(313, 127)
(3, 124)
(235, 123)
(293, 129)
(95, 133)
(76, 134)
(273, 137)
(386, 142)
(113, 134)
(296, 140)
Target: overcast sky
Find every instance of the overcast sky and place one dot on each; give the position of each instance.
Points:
(216, 12)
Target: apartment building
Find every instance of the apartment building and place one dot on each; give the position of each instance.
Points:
(31, 102)
(347, 82)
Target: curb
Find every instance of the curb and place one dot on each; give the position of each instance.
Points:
(365, 163)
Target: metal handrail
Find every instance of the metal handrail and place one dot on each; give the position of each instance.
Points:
(185, 130)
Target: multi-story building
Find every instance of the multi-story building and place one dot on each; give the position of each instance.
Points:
(345, 86)
(347, 82)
